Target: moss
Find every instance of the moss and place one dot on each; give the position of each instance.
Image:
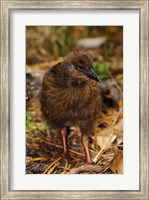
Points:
(34, 125)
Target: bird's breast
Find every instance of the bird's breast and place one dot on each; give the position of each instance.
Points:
(70, 104)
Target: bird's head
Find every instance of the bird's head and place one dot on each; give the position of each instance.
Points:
(81, 66)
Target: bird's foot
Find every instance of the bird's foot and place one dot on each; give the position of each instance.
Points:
(88, 162)
(67, 156)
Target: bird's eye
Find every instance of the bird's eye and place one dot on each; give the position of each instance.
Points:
(80, 67)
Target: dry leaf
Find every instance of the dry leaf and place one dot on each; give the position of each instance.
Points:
(34, 145)
(118, 128)
(117, 164)
(106, 138)
(104, 142)
(119, 140)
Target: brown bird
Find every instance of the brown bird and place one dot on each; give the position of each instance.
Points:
(71, 97)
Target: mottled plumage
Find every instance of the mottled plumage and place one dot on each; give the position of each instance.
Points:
(71, 96)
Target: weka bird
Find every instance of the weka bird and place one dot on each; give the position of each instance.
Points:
(71, 96)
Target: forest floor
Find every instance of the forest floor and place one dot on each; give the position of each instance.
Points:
(44, 150)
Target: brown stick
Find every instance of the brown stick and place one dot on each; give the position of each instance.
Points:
(60, 147)
(88, 168)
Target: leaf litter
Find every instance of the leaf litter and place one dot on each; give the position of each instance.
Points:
(44, 149)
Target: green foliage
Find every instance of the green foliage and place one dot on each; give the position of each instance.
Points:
(45, 43)
(121, 85)
(101, 69)
(60, 40)
(34, 125)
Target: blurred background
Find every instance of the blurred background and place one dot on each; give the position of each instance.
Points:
(45, 47)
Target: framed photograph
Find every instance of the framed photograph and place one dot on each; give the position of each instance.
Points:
(74, 99)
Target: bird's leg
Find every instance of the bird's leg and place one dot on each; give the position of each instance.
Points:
(86, 149)
(64, 139)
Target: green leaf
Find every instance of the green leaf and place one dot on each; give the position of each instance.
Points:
(101, 69)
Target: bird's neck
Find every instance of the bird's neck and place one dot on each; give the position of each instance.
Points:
(77, 81)
(69, 81)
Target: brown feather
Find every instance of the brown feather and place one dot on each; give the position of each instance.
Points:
(69, 97)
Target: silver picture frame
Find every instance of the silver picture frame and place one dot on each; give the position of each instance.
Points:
(143, 7)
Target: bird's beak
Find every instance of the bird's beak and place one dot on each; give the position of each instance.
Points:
(91, 74)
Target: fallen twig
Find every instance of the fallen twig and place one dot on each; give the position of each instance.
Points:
(36, 159)
(61, 147)
(49, 167)
(89, 168)
(51, 170)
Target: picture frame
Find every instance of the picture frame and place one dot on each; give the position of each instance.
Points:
(6, 7)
